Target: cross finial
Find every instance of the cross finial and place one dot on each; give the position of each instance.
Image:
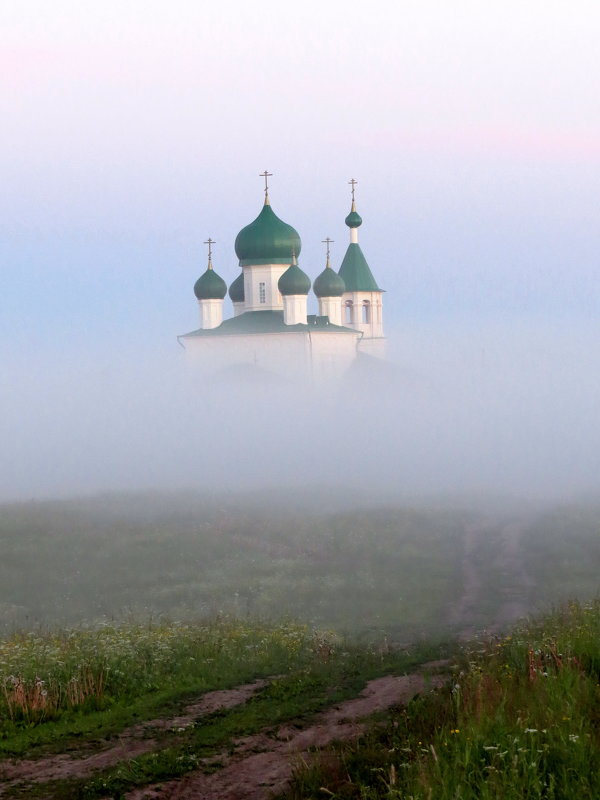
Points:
(353, 184)
(266, 175)
(210, 243)
(327, 241)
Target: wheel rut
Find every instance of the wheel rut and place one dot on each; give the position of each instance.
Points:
(516, 589)
(262, 765)
(254, 767)
(132, 742)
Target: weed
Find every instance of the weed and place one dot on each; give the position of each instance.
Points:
(520, 721)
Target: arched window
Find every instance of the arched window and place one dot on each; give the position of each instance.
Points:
(366, 311)
(348, 311)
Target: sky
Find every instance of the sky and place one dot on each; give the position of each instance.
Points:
(132, 131)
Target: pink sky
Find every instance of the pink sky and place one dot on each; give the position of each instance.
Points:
(523, 77)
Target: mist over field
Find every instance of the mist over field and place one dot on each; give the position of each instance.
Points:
(478, 180)
(479, 407)
(236, 584)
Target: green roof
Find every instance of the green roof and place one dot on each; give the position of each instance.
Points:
(210, 286)
(294, 281)
(256, 322)
(355, 271)
(329, 283)
(353, 220)
(267, 240)
(236, 290)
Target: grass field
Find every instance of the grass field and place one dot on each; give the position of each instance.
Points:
(364, 569)
(519, 716)
(519, 719)
(188, 556)
(52, 680)
(119, 612)
(74, 691)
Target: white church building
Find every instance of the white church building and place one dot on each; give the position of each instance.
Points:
(271, 329)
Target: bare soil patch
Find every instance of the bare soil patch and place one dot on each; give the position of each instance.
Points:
(262, 765)
(132, 742)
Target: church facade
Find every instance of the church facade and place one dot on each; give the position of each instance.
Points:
(271, 330)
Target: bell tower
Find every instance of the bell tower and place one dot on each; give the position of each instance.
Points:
(362, 307)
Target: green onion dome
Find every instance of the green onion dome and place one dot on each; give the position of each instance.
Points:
(236, 290)
(353, 220)
(329, 284)
(267, 240)
(210, 286)
(294, 281)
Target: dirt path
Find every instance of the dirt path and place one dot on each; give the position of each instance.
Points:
(262, 765)
(465, 609)
(259, 765)
(515, 597)
(132, 742)
(516, 602)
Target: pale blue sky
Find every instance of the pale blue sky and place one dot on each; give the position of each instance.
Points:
(131, 131)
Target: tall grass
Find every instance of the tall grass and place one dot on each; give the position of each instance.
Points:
(521, 719)
(41, 675)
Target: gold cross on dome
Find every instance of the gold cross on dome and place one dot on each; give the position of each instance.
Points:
(353, 184)
(327, 241)
(210, 243)
(266, 175)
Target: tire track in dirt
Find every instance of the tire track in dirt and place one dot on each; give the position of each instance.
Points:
(262, 765)
(515, 595)
(132, 742)
(465, 608)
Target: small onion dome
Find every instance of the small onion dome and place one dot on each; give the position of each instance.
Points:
(267, 240)
(236, 290)
(353, 220)
(210, 286)
(294, 281)
(329, 284)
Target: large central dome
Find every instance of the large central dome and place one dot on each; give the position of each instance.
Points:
(267, 240)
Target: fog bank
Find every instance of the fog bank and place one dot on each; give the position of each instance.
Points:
(478, 407)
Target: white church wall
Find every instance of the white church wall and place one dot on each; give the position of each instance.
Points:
(306, 355)
(332, 354)
(211, 313)
(294, 309)
(331, 307)
(286, 355)
(260, 287)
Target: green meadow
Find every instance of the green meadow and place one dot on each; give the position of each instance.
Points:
(186, 556)
(352, 564)
(520, 718)
(121, 610)
(72, 691)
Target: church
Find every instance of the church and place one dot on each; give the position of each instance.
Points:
(271, 329)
